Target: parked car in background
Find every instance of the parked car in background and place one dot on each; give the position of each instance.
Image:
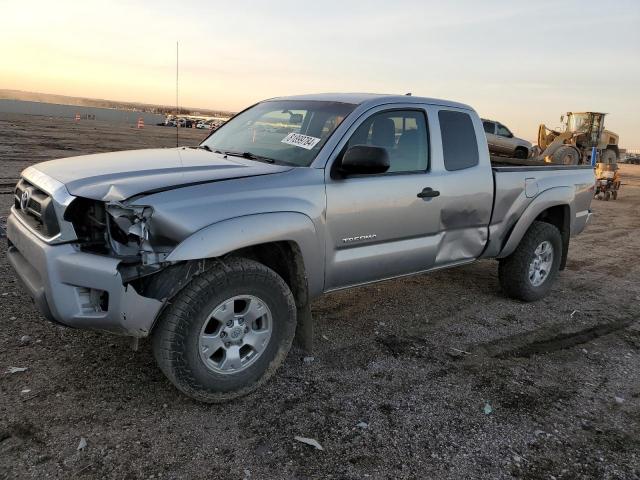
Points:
(633, 158)
(502, 142)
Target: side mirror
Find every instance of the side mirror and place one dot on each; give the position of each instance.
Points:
(365, 159)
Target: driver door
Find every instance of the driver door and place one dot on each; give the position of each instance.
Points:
(377, 226)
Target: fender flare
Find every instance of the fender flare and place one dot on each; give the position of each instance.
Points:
(235, 233)
(556, 196)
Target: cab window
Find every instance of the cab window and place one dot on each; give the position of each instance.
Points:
(402, 132)
(504, 131)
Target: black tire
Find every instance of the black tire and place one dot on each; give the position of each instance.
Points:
(615, 194)
(566, 155)
(175, 338)
(521, 153)
(607, 196)
(513, 271)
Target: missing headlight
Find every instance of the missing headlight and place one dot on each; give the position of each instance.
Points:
(116, 229)
(89, 220)
(129, 227)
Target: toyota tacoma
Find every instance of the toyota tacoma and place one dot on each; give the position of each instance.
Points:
(216, 251)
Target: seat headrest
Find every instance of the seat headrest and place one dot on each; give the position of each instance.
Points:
(383, 133)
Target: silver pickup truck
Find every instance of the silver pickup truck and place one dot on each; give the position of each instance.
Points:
(216, 251)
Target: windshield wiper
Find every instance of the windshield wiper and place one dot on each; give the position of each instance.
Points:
(205, 147)
(250, 156)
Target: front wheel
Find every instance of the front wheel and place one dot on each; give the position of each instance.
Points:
(529, 272)
(566, 155)
(227, 331)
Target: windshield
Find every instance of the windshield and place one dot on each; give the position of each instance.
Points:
(578, 122)
(290, 132)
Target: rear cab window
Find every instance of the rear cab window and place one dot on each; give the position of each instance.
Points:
(459, 142)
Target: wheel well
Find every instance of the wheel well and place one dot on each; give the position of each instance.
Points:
(520, 147)
(559, 216)
(284, 258)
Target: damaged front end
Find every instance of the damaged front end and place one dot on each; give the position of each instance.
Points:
(122, 235)
(120, 231)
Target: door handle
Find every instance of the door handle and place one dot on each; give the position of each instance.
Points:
(428, 193)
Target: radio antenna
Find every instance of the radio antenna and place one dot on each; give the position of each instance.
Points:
(177, 104)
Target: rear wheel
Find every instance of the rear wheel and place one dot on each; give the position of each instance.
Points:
(615, 194)
(607, 196)
(529, 272)
(226, 332)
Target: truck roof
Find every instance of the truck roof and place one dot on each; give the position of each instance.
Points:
(372, 99)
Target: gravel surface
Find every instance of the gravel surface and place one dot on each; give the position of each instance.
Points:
(435, 376)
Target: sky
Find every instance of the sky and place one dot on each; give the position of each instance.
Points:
(519, 62)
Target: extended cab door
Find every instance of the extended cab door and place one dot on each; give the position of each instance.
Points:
(377, 225)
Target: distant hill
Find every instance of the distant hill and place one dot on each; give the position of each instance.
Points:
(97, 102)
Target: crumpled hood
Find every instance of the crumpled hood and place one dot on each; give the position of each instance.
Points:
(120, 175)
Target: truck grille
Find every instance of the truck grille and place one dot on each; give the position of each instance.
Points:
(35, 207)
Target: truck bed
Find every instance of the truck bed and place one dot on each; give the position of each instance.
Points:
(506, 163)
(519, 182)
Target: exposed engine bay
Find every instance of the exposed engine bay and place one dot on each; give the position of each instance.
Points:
(119, 231)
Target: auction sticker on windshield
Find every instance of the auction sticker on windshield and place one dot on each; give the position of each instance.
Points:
(300, 140)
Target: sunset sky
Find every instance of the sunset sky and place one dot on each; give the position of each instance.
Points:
(519, 62)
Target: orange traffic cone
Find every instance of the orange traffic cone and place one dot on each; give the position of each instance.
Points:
(77, 117)
(140, 122)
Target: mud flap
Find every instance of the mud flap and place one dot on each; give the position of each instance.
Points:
(565, 247)
(304, 329)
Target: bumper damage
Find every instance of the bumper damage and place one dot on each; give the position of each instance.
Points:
(78, 289)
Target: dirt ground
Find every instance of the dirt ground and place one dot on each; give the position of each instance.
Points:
(436, 376)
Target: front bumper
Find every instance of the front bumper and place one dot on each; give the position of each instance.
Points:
(60, 279)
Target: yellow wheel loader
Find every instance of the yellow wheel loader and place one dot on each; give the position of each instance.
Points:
(574, 145)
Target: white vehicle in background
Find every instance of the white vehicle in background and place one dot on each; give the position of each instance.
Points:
(502, 142)
(202, 125)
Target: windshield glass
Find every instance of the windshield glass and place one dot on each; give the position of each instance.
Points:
(578, 122)
(291, 132)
